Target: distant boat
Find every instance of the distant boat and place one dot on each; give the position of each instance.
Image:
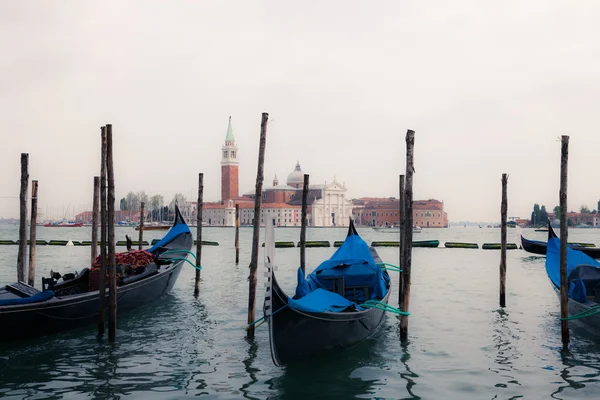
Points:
(154, 227)
(395, 229)
(542, 230)
(63, 224)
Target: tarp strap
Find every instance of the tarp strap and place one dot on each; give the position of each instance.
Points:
(379, 305)
(584, 314)
(185, 259)
(178, 251)
(262, 319)
(389, 267)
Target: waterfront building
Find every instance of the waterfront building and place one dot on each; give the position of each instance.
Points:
(373, 211)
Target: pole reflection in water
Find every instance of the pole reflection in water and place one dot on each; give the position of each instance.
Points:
(250, 368)
(197, 318)
(409, 376)
(577, 373)
(506, 350)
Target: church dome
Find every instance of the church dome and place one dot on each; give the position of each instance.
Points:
(296, 177)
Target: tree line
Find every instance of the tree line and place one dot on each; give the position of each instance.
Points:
(154, 205)
(539, 215)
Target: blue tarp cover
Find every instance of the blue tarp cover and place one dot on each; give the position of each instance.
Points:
(577, 289)
(352, 261)
(321, 300)
(172, 234)
(36, 298)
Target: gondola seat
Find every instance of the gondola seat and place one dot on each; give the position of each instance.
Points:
(73, 284)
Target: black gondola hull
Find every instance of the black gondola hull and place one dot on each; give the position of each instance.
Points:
(70, 312)
(537, 247)
(296, 335)
(590, 324)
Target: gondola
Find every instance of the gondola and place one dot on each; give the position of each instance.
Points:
(539, 247)
(326, 313)
(583, 275)
(70, 301)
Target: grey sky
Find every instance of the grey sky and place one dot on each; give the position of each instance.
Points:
(487, 86)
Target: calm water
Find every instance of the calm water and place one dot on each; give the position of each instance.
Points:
(461, 346)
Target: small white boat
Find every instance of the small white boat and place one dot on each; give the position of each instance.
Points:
(395, 229)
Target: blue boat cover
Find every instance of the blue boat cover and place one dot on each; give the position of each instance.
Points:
(577, 264)
(321, 300)
(172, 234)
(36, 298)
(353, 269)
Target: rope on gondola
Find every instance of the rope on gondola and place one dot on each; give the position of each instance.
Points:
(389, 267)
(262, 319)
(186, 260)
(584, 314)
(179, 251)
(383, 306)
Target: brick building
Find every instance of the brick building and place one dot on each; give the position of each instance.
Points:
(372, 211)
(229, 167)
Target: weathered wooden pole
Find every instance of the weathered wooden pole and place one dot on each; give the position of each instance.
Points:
(199, 233)
(256, 225)
(408, 199)
(95, 207)
(503, 211)
(402, 215)
(103, 220)
(32, 232)
(23, 218)
(564, 233)
(110, 200)
(237, 234)
(141, 237)
(303, 225)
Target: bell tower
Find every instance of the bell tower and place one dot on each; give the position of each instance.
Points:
(229, 167)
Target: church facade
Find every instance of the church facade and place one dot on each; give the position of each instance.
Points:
(327, 203)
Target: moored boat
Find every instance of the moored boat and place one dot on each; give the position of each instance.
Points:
(63, 224)
(72, 300)
(395, 229)
(539, 247)
(583, 276)
(341, 303)
(154, 227)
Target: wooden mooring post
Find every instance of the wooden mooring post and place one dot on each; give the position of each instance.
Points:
(237, 234)
(408, 220)
(252, 279)
(199, 233)
(503, 212)
(402, 215)
(102, 274)
(110, 207)
(95, 206)
(564, 233)
(23, 218)
(303, 225)
(32, 232)
(141, 236)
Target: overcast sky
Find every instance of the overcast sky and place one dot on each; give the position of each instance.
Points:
(488, 87)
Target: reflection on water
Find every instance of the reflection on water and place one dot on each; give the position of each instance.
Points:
(250, 368)
(505, 343)
(183, 347)
(409, 376)
(577, 372)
